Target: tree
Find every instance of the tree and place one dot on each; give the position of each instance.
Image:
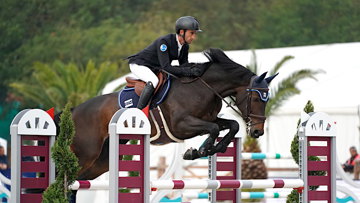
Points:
(287, 88)
(66, 162)
(56, 84)
(77, 31)
(294, 150)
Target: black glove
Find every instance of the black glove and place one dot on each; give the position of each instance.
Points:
(189, 71)
(196, 72)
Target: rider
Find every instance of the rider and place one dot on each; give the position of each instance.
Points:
(159, 55)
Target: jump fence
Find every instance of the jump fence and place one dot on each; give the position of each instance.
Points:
(36, 126)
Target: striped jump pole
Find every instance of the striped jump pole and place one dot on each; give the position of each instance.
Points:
(90, 185)
(261, 195)
(222, 184)
(244, 195)
(260, 156)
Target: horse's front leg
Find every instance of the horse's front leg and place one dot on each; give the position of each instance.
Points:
(191, 125)
(223, 124)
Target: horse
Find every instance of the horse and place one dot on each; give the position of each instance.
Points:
(190, 110)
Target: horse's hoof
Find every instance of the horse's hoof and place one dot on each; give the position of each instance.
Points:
(212, 152)
(203, 152)
(191, 154)
(220, 148)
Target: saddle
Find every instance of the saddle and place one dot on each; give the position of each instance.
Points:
(129, 96)
(139, 85)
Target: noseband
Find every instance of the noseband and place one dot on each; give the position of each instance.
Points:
(264, 96)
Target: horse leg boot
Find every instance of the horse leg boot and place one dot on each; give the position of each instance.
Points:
(206, 147)
(145, 95)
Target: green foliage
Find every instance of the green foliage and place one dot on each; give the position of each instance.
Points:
(56, 84)
(288, 87)
(293, 197)
(305, 22)
(66, 162)
(79, 31)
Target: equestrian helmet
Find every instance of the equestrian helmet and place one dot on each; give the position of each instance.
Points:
(187, 23)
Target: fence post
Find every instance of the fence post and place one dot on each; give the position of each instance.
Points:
(36, 126)
(129, 124)
(317, 137)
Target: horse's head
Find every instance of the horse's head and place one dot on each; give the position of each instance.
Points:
(252, 100)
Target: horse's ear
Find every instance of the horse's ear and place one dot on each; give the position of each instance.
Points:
(208, 55)
(261, 77)
(270, 78)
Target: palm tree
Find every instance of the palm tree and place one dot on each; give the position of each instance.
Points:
(284, 90)
(57, 84)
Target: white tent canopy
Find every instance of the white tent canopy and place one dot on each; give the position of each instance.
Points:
(339, 62)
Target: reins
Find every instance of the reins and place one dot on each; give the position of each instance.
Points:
(218, 95)
(207, 85)
(249, 115)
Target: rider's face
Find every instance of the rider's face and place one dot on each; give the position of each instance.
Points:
(190, 35)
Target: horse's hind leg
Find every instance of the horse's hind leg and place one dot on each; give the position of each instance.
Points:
(223, 124)
(101, 164)
(72, 198)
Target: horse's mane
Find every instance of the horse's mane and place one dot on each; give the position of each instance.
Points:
(218, 56)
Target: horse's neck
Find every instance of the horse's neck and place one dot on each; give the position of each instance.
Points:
(225, 82)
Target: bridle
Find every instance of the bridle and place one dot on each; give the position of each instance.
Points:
(248, 116)
(264, 96)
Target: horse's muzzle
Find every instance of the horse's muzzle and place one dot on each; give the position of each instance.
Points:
(256, 133)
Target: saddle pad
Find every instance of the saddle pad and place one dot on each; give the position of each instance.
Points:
(129, 99)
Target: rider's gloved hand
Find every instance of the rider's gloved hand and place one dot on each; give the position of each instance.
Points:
(188, 70)
(195, 72)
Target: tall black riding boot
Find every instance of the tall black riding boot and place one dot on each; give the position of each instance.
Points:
(145, 95)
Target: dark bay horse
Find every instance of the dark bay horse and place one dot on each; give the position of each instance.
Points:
(191, 109)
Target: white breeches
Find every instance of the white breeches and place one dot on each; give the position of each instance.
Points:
(144, 73)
